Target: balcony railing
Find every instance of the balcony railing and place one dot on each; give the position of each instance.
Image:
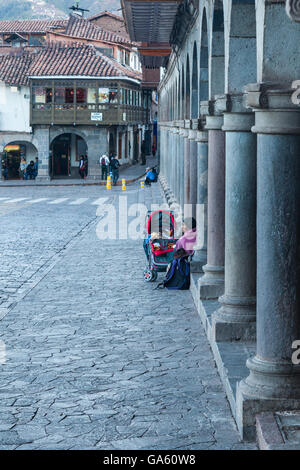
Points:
(87, 114)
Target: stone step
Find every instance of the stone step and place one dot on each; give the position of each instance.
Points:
(279, 430)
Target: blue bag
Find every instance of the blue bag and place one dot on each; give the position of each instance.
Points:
(178, 275)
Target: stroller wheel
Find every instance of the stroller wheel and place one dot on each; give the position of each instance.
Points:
(148, 275)
(154, 275)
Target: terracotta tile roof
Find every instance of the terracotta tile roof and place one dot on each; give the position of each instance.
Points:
(107, 13)
(30, 26)
(81, 28)
(14, 68)
(77, 60)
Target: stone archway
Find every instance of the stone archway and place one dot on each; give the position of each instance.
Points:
(182, 93)
(241, 58)
(217, 58)
(16, 155)
(203, 85)
(65, 152)
(187, 89)
(195, 102)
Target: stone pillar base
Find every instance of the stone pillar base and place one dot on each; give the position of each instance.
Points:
(235, 320)
(232, 331)
(211, 285)
(199, 260)
(210, 291)
(43, 179)
(248, 407)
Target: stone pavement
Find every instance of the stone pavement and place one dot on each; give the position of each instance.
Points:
(95, 358)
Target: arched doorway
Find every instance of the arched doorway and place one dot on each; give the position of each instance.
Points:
(217, 61)
(188, 90)
(65, 153)
(13, 153)
(195, 103)
(204, 60)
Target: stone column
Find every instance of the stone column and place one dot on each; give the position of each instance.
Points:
(193, 170)
(161, 151)
(177, 171)
(212, 283)
(173, 161)
(235, 319)
(41, 140)
(274, 380)
(200, 256)
(186, 167)
(181, 166)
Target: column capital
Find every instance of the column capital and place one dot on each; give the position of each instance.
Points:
(276, 110)
(192, 135)
(187, 124)
(214, 122)
(202, 136)
(238, 122)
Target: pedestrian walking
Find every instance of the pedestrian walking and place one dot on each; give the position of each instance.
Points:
(143, 153)
(115, 170)
(5, 171)
(30, 171)
(153, 150)
(23, 165)
(81, 167)
(86, 166)
(36, 167)
(104, 165)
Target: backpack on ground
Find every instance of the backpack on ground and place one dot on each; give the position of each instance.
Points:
(178, 275)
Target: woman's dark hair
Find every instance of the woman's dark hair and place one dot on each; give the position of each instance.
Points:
(190, 222)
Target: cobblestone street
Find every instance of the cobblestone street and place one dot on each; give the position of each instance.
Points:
(95, 358)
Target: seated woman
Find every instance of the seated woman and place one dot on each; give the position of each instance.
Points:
(151, 176)
(189, 237)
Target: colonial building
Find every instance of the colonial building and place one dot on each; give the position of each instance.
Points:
(229, 123)
(75, 89)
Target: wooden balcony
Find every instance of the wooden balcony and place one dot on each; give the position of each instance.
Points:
(87, 114)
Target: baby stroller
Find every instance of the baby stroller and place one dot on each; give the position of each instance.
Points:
(159, 244)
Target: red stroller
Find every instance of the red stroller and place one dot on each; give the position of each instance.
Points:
(159, 244)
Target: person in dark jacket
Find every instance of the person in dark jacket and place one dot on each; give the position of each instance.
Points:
(81, 166)
(143, 153)
(115, 170)
(86, 166)
(30, 171)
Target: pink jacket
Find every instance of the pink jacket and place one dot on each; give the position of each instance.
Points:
(187, 241)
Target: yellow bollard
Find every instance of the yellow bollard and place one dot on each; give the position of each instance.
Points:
(142, 184)
(108, 183)
(123, 184)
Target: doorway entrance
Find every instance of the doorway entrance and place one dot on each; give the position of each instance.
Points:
(13, 154)
(65, 152)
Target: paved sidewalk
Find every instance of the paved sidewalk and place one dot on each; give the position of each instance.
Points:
(97, 359)
(131, 173)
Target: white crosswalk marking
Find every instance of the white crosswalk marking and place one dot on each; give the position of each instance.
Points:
(79, 201)
(19, 199)
(100, 201)
(3, 198)
(58, 201)
(35, 201)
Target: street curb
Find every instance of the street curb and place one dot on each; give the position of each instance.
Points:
(101, 183)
